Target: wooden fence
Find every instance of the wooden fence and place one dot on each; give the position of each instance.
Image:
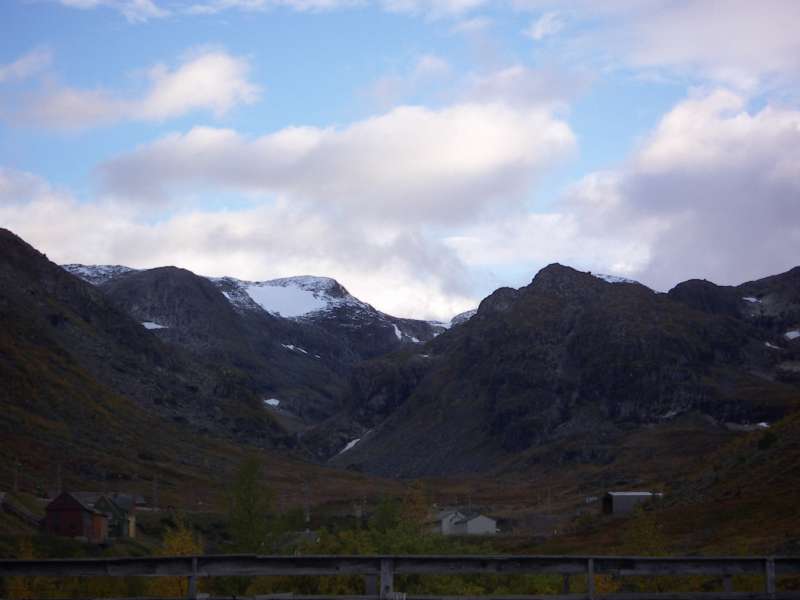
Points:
(382, 570)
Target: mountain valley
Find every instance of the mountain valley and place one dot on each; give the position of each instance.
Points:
(576, 382)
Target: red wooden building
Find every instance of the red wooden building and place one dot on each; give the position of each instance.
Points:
(70, 517)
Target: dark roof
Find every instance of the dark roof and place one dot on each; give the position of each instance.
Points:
(88, 499)
(84, 499)
(125, 501)
(473, 515)
(447, 512)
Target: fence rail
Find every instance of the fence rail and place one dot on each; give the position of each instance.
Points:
(383, 569)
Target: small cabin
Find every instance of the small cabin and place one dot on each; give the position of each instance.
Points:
(68, 516)
(624, 503)
(120, 509)
(445, 520)
(475, 524)
(455, 522)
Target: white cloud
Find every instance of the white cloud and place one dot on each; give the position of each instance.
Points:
(739, 43)
(216, 6)
(410, 164)
(712, 192)
(519, 85)
(26, 65)
(211, 80)
(735, 41)
(725, 183)
(135, 11)
(408, 223)
(398, 269)
(550, 23)
(138, 11)
(433, 8)
(366, 203)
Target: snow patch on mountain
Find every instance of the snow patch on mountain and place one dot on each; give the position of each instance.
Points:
(463, 317)
(272, 402)
(289, 297)
(792, 335)
(97, 274)
(295, 348)
(286, 301)
(613, 278)
(751, 300)
(304, 297)
(153, 325)
(349, 445)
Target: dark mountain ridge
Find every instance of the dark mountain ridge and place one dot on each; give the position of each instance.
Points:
(301, 361)
(569, 356)
(560, 370)
(56, 312)
(193, 314)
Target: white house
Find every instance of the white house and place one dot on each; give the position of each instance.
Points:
(455, 522)
(476, 525)
(445, 521)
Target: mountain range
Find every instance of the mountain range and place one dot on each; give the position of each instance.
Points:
(292, 341)
(566, 371)
(574, 359)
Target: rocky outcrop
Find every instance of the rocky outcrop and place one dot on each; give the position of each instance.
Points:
(709, 297)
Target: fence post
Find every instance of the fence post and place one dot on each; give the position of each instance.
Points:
(769, 576)
(590, 578)
(387, 577)
(193, 580)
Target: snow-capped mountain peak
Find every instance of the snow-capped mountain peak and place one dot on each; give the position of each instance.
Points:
(463, 317)
(290, 297)
(321, 300)
(613, 278)
(97, 274)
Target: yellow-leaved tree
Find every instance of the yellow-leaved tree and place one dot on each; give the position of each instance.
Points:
(180, 540)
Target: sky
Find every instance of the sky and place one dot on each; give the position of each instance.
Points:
(421, 152)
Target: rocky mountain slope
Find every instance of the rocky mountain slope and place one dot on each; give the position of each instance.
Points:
(306, 299)
(322, 301)
(46, 311)
(570, 357)
(91, 397)
(566, 369)
(292, 341)
(276, 359)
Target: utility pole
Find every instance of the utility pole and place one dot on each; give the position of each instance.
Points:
(155, 492)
